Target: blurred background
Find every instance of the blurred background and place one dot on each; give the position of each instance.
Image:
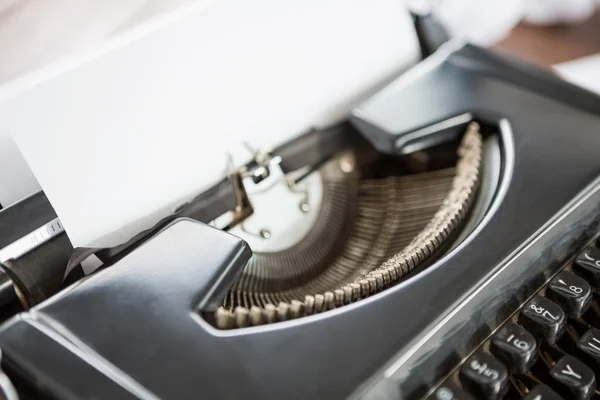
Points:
(546, 32)
(555, 42)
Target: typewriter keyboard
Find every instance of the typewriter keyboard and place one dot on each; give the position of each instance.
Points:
(548, 350)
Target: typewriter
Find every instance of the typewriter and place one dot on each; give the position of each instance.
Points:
(440, 243)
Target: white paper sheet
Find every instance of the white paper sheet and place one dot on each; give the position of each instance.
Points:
(584, 72)
(120, 136)
(16, 179)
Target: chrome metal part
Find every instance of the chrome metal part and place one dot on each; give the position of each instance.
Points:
(369, 234)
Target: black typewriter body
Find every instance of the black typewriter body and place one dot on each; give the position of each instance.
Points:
(135, 329)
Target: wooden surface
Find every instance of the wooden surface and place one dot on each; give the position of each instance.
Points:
(552, 45)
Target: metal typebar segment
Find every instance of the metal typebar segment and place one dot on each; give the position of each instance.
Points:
(32, 240)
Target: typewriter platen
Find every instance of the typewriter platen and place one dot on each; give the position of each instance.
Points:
(441, 243)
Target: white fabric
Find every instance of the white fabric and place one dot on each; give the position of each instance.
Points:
(480, 22)
(486, 22)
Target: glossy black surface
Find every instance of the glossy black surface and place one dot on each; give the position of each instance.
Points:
(510, 342)
(185, 256)
(450, 392)
(46, 362)
(9, 301)
(572, 293)
(544, 319)
(431, 33)
(37, 274)
(542, 392)
(515, 347)
(143, 322)
(589, 344)
(588, 265)
(573, 379)
(24, 217)
(484, 376)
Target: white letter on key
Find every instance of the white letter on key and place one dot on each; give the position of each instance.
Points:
(569, 371)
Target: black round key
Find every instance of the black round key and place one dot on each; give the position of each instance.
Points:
(448, 391)
(543, 318)
(571, 293)
(484, 376)
(589, 346)
(515, 347)
(573, 379)
(542, 392)
(587, 264)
